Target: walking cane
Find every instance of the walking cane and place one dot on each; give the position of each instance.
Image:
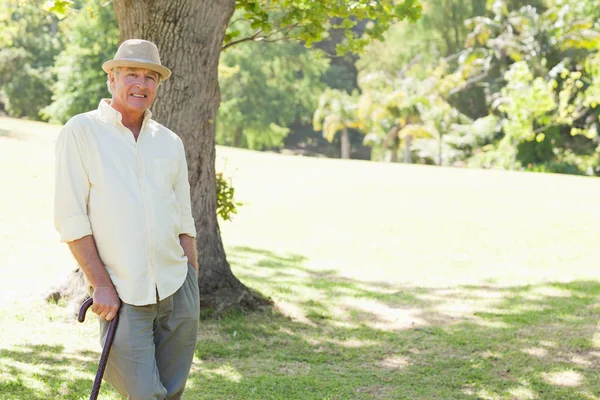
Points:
(105, 350)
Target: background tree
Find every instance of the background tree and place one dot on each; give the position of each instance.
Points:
(554, 47)
(405, 107)
(337, 112)
(555, 39)
(438, 119)
(440, 32)
(461, 59)
(265, 89)
(388, 105)
(524, 101)
(190, 35)
(29, 41)
(81, 83)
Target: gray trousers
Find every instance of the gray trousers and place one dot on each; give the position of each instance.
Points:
(154, 345)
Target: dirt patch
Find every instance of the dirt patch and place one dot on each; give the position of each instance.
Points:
(565, 378)
(294, 368)
(394, 363)
(377, 392)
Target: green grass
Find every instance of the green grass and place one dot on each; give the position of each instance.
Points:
(390, 282)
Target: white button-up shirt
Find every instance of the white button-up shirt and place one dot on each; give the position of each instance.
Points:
(132, 196)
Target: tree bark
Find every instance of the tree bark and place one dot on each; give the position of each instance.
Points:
(440, 146)
(455, 26)
(513, 158)
(394, 156)
(407, 149)
(391, 137)
(345, 143)
(237, 137)
(189, 35)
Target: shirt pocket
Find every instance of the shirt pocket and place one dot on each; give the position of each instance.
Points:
(164, 174)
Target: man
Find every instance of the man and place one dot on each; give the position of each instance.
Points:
(122, 203)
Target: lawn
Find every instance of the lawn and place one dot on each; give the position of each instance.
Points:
(389, 282)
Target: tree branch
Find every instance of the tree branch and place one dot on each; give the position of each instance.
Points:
(246, 39)
(256, 38)
(416, 59)
(231, 23)
(452, 56)
(389, 136)
(469, 82)
(285, 35)
(580, 112)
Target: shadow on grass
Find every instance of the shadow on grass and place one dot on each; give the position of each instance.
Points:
(332, 337)
(46, 372)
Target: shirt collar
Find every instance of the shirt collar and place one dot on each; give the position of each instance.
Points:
(112, 115)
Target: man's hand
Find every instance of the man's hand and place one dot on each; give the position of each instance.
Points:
(106, 302)
(188, 244)
(106, 299)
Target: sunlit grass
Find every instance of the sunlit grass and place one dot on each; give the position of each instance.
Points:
(389, 282)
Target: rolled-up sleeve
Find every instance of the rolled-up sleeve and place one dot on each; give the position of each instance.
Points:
(182, 194)
(72, 185)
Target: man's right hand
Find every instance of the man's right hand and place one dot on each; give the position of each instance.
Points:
(106, 302)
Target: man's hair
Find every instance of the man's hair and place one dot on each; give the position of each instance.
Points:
(115, 71)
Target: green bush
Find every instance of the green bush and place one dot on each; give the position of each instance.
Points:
(555, 167)
(226, 206)
(27, 92)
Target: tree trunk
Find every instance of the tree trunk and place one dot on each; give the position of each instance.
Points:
(237, 137)
(455, 25)
(391, 136)
(440, 144)
(513, 158)
(407, 149)
(394, 157)
(189, 35)
(345, 143)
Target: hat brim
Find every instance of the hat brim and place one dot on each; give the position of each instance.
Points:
(164, 72)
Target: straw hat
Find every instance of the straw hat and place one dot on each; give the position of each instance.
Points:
(137, 53)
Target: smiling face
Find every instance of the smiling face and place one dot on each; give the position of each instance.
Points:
(134, 90)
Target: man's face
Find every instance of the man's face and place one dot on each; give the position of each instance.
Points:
(134, 90)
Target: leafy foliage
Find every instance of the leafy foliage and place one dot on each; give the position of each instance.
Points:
(81, 81)
(529, 66)
(502, 83)
(226, 205)
(264, 92)
(411, 108)
(29, 41)
(524, 101)
(336, 110)
(60, 8)
(534, 66)
(309, 20)
(440, 32)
